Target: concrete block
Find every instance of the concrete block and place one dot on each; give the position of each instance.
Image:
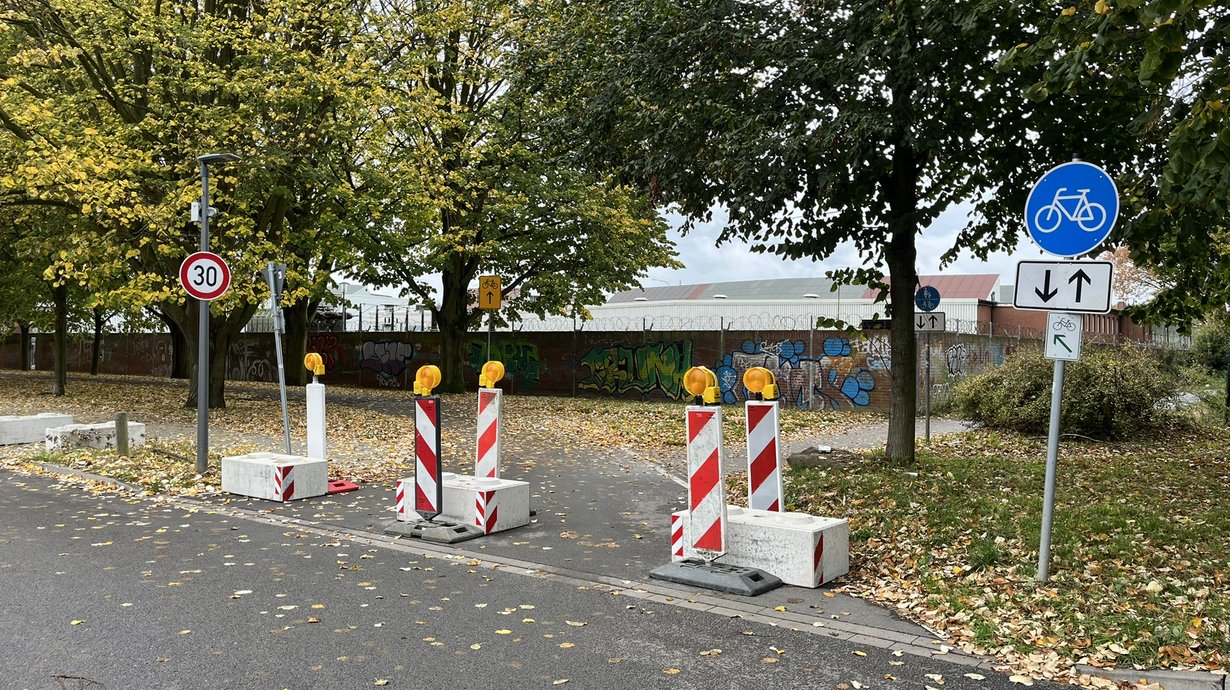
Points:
(803, 550)
(492, 504)
(275, 476)
(30, 428)
(101, 435)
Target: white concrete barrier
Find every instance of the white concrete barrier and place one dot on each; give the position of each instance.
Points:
(801, 549)
(493, 505)
(101, 435)
(30, 428)
(275, 476)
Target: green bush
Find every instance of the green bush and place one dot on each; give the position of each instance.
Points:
(1211, 345)
(1110, 392)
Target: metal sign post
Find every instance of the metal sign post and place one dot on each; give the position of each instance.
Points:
(274, 275)
(927, 299)
(1069, 212)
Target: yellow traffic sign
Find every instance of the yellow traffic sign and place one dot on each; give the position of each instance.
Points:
(489, 292)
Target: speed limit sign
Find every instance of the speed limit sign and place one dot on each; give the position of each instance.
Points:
(205, 276)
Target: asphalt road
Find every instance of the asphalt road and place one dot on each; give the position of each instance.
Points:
(165, 596)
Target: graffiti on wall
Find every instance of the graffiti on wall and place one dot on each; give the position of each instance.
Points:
(644, 369)
(522, 363)
(837, 379)
(386, 361)
(328, 347)
(877, 351)
(964, 359)
(246, 360)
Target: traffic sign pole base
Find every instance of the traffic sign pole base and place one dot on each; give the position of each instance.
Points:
(734, 579)
(439, 531)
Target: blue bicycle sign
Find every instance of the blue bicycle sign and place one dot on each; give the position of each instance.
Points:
(1072, 209)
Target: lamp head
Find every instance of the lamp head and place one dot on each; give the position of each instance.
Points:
(217, 158)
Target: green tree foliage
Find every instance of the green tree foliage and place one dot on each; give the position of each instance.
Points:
(1173, 55)
(106, 105)
(479, 191)
(1112, 392)
(1211, 345)
(818, 123)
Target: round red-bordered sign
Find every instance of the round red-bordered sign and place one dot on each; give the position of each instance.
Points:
(205, 276)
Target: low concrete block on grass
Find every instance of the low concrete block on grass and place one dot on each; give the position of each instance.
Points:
(30, 428)
(101, 435)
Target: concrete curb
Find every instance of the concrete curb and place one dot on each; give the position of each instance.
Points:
(1168, 680)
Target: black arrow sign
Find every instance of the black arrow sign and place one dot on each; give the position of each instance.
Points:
(1080, 277)
(1046, 293)
(933, 320)
(920, 322)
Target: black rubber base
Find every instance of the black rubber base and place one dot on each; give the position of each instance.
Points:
(440, 531)
(735, 579)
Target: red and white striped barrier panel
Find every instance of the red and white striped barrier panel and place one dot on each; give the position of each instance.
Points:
(487, 453)
(677, 536)
(486, 510)
(428, 496)
(284, 479)
(275, 476)
(706, 485)
(403, 511)
(764, 459)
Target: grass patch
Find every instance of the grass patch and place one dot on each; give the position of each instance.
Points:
(1139, 571)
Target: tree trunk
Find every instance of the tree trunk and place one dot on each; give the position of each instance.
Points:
(902, 193)
(222, 330)
(453, 318)
(96, 353)
(59, 297)
(24, 328)
(181, 358)
(299, 318)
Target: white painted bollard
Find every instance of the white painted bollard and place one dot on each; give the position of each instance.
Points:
(487, 449)
(803, 550)
(275, 476)
(30, 428)
(316, 421)
(706, 482)
(764, 459)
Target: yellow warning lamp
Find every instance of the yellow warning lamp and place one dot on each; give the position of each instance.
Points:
(314, 363)
(426, 378)
(491, 374)
(702, 384)
(761, 382)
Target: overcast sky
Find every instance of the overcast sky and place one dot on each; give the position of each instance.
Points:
(707, 263)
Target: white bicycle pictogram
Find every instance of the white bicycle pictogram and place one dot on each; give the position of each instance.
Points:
(1048, 218)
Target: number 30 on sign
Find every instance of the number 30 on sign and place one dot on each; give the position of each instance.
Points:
(205, 276)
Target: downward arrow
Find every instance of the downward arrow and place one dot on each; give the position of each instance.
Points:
(1081, 280)
(1046, 293)
(920, 322)
(1059, 340)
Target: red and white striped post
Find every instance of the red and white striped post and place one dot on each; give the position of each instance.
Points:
(486, 510)
(399, 505)
(487, 453)
(764, 458)
(706, 485)
(677, 535)
(706, 480)
(428, 465)
(284, 481)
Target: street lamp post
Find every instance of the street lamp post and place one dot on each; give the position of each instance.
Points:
(202, 352)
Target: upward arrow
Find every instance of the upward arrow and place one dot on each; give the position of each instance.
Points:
(1081, 279)
(933, 320)
(1046, 293)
